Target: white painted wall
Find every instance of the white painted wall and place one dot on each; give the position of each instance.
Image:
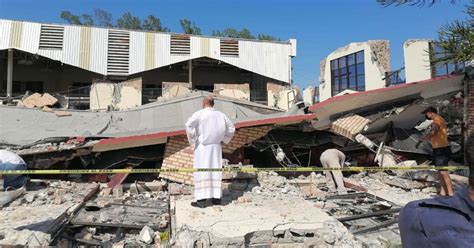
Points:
(417, 60)
(373, 73)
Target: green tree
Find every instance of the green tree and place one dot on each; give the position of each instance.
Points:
(154, 24)
(456, 39)
(103, 18)
(87, 20)
(266, 37)
(189, 27)
(128, 21)
(419, 3)
(70, 18)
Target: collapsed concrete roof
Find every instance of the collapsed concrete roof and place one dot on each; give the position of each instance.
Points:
(338, 106)
(23, 127)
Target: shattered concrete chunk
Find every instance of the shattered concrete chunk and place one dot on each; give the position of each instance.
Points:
(147, 235)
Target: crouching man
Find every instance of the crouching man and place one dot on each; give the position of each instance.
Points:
(442, 221)
(11, 161)
(333, 158)
(206, 130)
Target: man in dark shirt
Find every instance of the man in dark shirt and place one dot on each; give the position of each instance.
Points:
(442, 221)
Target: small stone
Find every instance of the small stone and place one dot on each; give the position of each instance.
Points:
(58, 200)
(217, 209)
(147, 235)
(104, 217)
(105, 192)
(120, 210)
(30, 197)
(163, 224)
(244, 199)
(118, 191)
(87, 236)
(284, 190)
(147, 194)
(329, 239)
(157, 238)
(90, 219)
(102, 203)
(120, 244)
(92, 230)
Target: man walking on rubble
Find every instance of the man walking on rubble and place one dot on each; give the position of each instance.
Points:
(442, 221)
(333, 158)
(441, 150)
(11, 161)
(206, 130)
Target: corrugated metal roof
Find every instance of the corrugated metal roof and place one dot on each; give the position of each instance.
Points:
(267, 58)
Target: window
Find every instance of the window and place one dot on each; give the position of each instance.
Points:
(51, 37)
(118, 52)
(180, 44)
(21, 87)
(348, 72)
(230, 48)
(444, 68)
(151, 92)
(79, 89)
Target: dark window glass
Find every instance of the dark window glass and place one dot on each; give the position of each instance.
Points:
(352, 70)
(342, 62)
(360, 57)
(348, 73)
(353, 83)
(351, 59)
(361, 82)
(360, 68)
(342, 72)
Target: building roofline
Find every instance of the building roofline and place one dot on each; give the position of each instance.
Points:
(406, 85)
(287, 42)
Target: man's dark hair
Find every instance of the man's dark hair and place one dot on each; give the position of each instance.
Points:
(209, 100)
(430, 109)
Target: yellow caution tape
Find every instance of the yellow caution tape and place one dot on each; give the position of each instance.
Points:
(244, 169)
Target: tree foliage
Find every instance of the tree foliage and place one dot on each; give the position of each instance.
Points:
(244, 34)
(128, 21)
(154, 24)
(189, 27)
(103, 18)
(419, 3)
(455, 40)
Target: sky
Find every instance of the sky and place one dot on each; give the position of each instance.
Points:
(320, 26)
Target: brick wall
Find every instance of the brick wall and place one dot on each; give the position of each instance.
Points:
(178, 153)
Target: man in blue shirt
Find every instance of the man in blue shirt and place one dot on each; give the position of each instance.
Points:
(442, 221)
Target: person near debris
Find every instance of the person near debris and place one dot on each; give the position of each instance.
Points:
(206, 130)
(442, 221)
(441, 150)
(11, 161)
(333, 158)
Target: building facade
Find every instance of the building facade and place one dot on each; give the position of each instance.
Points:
(61, 58)
(364, 66)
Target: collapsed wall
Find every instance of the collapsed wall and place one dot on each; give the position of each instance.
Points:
(179, 154)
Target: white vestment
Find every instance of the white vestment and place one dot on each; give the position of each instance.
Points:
(206, 130)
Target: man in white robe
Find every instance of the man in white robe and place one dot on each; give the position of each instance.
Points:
(207, 129)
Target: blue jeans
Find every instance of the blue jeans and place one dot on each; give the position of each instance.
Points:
(15, 181)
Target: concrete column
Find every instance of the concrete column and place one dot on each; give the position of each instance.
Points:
(10, 73)
(190, 74)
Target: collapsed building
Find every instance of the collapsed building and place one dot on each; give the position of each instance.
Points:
(116, 71)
